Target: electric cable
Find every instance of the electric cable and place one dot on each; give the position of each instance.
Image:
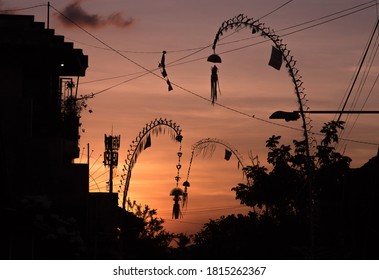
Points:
(22, 9)
(171, 64)
(148, 71)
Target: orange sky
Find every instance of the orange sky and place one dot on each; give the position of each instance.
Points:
(327, 56)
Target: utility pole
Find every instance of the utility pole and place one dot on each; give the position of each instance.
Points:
(112, 145)
(88, 154)
(48, 15)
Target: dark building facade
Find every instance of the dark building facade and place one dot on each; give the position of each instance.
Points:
(44, 195)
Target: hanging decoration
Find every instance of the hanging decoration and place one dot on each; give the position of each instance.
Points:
(279, 54)
(142, 142)
(147, 143)
(214, 58)
(162, 66)
(206, 147)
(214, 84)
(276, 58)
(186, 185)
(169, 85)
(228, 154)
(177, 192)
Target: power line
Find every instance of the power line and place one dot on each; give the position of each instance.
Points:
(151, 72)
(249, 38)
(330, 15)
(148, 71)
(171, 64)
(363, 83)
(115, 77)
(273, 11)
(182, 222)
(196, 49)
(105, 44)
(311, 21)
(22, 9)
(240, 112)
(208, 209)
(360, 66)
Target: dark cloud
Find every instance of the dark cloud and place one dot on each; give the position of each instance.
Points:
(77, 14)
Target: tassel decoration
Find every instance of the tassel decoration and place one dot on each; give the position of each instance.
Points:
(186, 185)
(176, 210)
(176, 193)
(214, 84)
(185, 198)
(215, 87)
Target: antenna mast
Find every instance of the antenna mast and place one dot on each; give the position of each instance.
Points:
(112, 145)
(48, 15)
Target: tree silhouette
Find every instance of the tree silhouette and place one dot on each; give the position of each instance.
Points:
(38, 231)
(282, 192)
(280, 229)
(183, 240)
(279, 192)
(142, 234)
(248, 237)
(184, 246)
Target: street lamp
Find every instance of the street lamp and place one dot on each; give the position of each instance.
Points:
(287, 116)
(295, 115)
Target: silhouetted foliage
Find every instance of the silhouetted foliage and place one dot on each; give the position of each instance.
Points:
(282, 191)
(143, 235)
(279, 192)
(37, 231)
(184, 246)
(280, 226)
(344, 201)
(249, 237)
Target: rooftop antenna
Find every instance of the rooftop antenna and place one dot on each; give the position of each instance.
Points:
(48, 15)
(112, 145)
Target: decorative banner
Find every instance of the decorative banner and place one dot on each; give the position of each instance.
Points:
(276, 58)
(148, 142)
(228, 154)
(162, 66)
(169, 85)
(164, 73)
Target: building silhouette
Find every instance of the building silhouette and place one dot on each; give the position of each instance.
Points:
(47, 210)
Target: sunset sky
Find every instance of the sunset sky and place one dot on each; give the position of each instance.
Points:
(124, 38)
